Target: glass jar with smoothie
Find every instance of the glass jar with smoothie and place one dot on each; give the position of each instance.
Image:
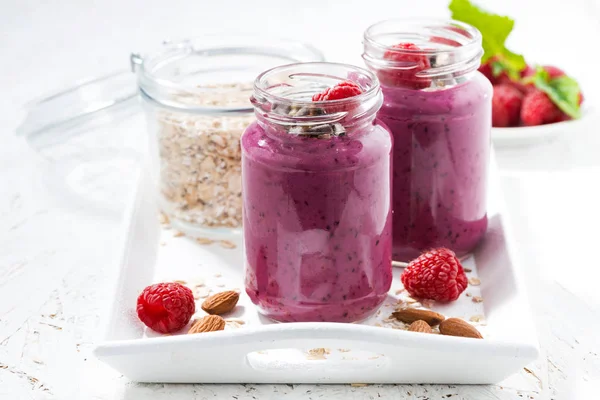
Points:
(316, 179)
(438, 108)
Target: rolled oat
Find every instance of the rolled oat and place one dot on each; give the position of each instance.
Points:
(200, 158)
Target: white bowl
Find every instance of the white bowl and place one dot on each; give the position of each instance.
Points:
(530, 135)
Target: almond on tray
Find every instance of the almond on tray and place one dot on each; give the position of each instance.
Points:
(221, 303)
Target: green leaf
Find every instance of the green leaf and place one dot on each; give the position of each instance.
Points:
(494, 29)
(497, 68)
(563, 91)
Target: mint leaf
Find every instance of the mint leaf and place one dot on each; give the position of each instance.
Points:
(563, 91)
(494, 29)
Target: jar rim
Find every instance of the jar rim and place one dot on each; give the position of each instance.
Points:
(474, 34)
(372, 86)
(454, 47)
(165, 91)
(283, 95)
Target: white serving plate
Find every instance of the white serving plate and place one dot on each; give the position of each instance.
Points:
(260, 351)
(532, 135)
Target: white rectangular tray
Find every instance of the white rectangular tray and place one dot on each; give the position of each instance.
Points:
(259, 351)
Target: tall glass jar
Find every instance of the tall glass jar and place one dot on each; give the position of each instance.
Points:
(438, 108)
(316, 196)
(196, 96)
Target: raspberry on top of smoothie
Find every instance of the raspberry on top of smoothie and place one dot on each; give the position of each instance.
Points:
(407, 62)
(340, 91)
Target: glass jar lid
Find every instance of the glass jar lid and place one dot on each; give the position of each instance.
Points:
(185, 75)
(56, 117)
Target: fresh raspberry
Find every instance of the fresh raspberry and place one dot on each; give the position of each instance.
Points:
(166, 307)
(486, 70)
(436, 275)
(521, 85)
(556, 72)
(506, 106)
(553, 71)
(340, 91)
(405, 77)
(538, 109)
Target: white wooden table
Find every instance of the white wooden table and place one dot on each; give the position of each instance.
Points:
(56, 260)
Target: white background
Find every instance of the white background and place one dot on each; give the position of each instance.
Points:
(56, 260)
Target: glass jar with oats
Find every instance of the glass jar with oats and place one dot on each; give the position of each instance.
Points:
(196, 95)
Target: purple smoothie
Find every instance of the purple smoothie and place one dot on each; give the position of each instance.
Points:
(441, 153)
(317, 222)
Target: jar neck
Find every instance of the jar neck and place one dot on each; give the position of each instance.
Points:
(422, 54)
(283, 103)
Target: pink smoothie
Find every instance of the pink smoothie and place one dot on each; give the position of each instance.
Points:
(441, 152)
(317, 223)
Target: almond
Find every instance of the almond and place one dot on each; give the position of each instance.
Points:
(210, 323)
(420, 326)
(221, 303)
(458, 327)
(410, 315)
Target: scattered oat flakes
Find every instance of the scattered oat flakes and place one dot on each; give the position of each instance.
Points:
(378, 325)
(399, 291)
(477, 318)
(181, 282)
(236, 320)
(358, 384)
(409, 300)
(202, 240)
(399, 264)
(467, 270)
(343, 350)
(474, 281)
(428, 303)
(373, 358)
(178, 234)
(201, 292)
(318, 354)
(468, 294)
(477, 299)
(163, 218)
(227, 244)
